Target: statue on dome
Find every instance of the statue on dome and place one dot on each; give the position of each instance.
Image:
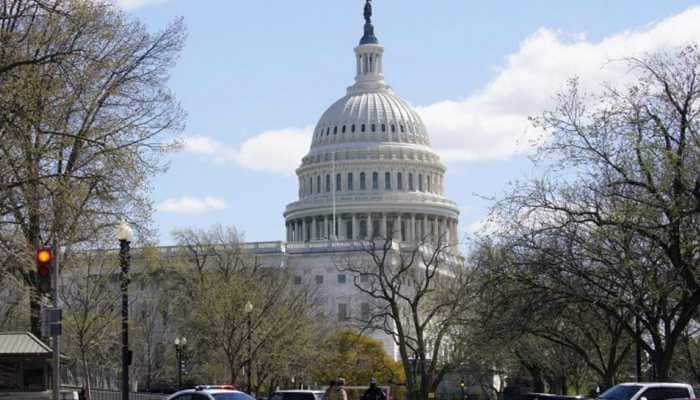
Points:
(368, 11)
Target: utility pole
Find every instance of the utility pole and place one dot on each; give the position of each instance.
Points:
(56, 328)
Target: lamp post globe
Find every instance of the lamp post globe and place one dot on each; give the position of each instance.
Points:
(125, 235)
(180, 345)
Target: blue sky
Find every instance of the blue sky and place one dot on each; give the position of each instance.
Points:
(255, 76)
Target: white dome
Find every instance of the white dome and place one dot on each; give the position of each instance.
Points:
(377, 115)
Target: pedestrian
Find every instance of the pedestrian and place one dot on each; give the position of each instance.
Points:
(373, 392)
(336, 390)
(81, 394)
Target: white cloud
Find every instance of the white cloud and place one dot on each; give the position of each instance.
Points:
(192, 205)
(134, 4)
(276, 151)
(492, 123)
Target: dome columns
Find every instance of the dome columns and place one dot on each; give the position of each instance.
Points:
(402, 227)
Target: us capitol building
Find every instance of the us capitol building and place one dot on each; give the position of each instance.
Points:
(370, 174)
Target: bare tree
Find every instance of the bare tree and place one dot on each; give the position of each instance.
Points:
(83, 109)
(419, 293)
(615, 223)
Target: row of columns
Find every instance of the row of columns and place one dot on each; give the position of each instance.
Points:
(356, 226)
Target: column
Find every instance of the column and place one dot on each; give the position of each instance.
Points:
(436, 229)
(325, 227)
(314, 235)
(412, 231)
(382, 228)
(399, 230)
(370, 226)
(355, 233)
(303, 230)
(424, 228)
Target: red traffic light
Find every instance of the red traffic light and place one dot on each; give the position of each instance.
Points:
(44, 257)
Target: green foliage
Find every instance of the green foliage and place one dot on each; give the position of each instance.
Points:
(357, 358)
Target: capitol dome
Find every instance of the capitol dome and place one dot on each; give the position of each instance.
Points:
(370, 167)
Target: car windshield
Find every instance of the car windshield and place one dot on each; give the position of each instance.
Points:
(620, 392)
(232, 396)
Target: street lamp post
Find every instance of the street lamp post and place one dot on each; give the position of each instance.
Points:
(125, 235)
(249, 311)
(461, 385)
(180, 345)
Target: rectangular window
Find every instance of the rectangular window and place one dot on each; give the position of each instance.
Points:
(420, 183)
(363, 184)
(342, 278)
(328, 183)
(350, 181)
(375, 180)
(364, 311)
(387, 180)
(319, 279)
(343, 312)
(427, 178)
(318, 184)
(410, 182)
(399, 181)
(337, 182)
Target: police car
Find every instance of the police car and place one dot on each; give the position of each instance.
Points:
(210, 392)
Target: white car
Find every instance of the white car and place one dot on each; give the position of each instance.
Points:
(648, 391)
(297, 395)
(210, 392)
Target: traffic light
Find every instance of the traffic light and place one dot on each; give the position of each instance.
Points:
(44, 258)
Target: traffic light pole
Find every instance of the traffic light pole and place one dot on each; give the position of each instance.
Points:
(54, 332)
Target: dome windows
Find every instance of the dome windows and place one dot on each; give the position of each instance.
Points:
(363, 127)
(374, 128)
(337, 182)
(335, 130)
(393, 128)
(410, 181)
(350, 182)
(399, 181)
(375, 181)
(328, 183)
(363, 183)
(383, 127)
(352, 129)
(343, 130)
(387, 180)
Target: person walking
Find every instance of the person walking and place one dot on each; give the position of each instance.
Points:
(336, 390)
(373, 392)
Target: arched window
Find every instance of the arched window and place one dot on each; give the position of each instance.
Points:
(350, 182)
(374, 128)
(335, 130)
(410, 181)
(363, 127)
(420, 183)
(337, 182)
(387, 180)
(399, 181)
(318, 184)
(328, 131)
(383, 128)
(352, 129)
(343, 128)
(311, 185)
(328, 183)
(375, 180)
(363, 183)
(393, 128)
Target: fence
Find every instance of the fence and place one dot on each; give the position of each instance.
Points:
(97, 394)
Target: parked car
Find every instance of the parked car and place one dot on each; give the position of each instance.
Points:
(648, 391)
(548, 396)
(297, 395)
(210, 392)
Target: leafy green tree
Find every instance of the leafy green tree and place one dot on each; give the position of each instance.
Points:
(357, 358)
